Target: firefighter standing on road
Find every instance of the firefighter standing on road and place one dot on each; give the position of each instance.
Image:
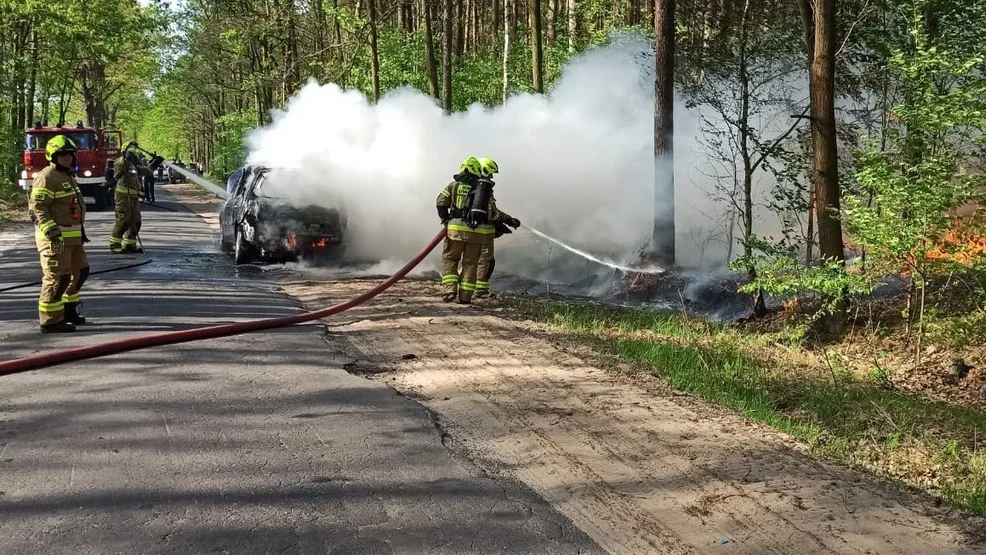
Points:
(58, 211)
(487, 261)
(468, 210)
(128, 175)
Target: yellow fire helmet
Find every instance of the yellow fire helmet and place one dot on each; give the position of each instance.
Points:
(488, 167)
(59, 144)
(471, 165)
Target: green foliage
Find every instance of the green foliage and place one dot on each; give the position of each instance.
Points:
(781, 273)
(922, 165)
(230, 146)
(911, 185)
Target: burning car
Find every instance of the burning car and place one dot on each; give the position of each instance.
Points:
(255, 224)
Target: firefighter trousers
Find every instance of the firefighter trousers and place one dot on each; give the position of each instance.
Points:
(63, 275)
(456, 254)
(485, 269)
(127, 225)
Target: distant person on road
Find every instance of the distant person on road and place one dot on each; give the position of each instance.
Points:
(487, 260)
(128, 173)
(149, 186)
(58, 211)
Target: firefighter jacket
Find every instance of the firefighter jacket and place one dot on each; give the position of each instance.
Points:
(455, 199)
(57, 207)
(128, 178)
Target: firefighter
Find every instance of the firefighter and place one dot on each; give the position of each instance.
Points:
(149, 184)
(468, 211)
(58, 211)
(487, 261)
(128, 174)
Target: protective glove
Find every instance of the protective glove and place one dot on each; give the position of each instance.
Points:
(156, 161)
(444, 215)
(85, 239)
(57, 245)
(513, 222)
(500, 229)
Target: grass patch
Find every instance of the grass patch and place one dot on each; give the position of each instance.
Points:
(925, 443)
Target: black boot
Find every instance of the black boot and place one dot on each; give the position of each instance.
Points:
(72, 314)
(58, 327)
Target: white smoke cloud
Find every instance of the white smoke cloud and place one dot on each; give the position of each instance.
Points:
(575, 163)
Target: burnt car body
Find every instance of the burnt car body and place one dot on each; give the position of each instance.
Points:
(254, 225)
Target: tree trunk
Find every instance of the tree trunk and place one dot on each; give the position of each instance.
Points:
(374, 55)
(506, 48)
(293, 71)
(460, 39)
(759, 305)
(572, 24)
(32, 82)
(552, 20)
(824, 141)
(663, 238)
(499, 11)
(338, 33)
(823, 125)
(513, 18)
(537, 55)
(448, 25)
(432, 64)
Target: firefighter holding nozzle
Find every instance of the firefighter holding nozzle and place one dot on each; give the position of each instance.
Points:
(470, 215)
(128, 174)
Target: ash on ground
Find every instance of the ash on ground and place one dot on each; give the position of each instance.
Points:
(711, 295)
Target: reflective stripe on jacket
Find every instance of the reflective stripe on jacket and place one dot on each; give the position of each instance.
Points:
(455, 196)
(57, 206)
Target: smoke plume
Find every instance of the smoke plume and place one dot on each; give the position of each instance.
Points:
(576, 163)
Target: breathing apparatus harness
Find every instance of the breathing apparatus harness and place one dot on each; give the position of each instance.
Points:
(475, 211)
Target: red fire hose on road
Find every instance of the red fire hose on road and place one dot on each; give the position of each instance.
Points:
(43, 360)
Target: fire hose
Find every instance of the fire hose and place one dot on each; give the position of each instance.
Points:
(52, 358)
(106, 271)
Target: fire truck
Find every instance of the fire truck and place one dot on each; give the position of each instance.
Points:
(95, 148)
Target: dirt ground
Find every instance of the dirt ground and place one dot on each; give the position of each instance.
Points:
(13, 210)
(640, 469)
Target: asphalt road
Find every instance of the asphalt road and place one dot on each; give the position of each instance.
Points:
(252, 444)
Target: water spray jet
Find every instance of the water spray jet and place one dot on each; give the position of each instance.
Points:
(652, 270)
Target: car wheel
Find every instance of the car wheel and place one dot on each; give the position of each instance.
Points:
(224, 244)
(242, 252)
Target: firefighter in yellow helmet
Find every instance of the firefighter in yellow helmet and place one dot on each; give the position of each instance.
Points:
(468, 211)
(58, 211)
(129, 174)
(487, 261)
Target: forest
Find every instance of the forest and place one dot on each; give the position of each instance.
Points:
(857, 124)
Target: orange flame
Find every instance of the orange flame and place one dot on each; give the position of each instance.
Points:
(963, 244)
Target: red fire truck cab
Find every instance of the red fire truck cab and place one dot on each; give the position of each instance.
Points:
(95, 147)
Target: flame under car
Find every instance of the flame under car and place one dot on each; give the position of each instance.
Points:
(255, 225)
